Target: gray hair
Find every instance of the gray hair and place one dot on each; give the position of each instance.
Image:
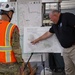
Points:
(55, 11)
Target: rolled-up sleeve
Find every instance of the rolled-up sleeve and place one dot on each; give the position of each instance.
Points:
(16, 46)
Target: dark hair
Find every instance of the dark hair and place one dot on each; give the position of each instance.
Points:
(3, 12)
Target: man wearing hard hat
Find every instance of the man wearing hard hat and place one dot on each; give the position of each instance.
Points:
(10, 51)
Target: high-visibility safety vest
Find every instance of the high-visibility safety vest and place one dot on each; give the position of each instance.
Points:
(6, 52)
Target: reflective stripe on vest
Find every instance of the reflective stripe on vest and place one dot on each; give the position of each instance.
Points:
(7, 42)
(3, 48)
(7, 39)
(7, 48)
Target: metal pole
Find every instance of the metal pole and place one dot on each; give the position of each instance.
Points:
(43, 63)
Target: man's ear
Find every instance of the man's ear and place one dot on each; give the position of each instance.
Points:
(10, 13)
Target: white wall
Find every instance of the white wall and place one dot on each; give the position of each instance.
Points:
(24, 1)
(21, 22)
(3, 0)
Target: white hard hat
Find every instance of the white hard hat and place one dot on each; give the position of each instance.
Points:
(7, 6)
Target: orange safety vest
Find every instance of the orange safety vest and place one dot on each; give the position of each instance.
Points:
(6, 52)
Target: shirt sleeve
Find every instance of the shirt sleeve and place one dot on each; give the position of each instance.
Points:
(51, 30)
(16, 46)
(70, 19)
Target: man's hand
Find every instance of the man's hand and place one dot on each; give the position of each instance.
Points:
(22, 70)
(35, 41)
(43, 37)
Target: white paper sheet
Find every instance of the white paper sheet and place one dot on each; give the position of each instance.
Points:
(49, 45)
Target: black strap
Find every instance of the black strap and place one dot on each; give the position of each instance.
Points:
(2, 12)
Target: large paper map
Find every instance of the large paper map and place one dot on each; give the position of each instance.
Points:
(49, 45)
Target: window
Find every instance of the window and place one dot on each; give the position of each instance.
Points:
(3, 0)
(51, 6)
